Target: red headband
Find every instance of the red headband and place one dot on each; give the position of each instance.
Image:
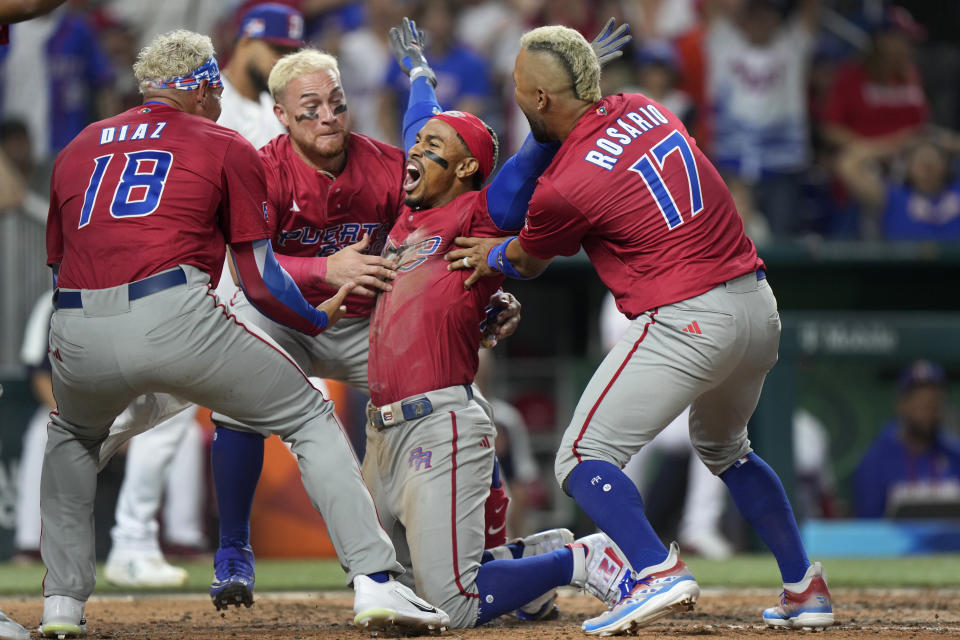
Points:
(475, 134)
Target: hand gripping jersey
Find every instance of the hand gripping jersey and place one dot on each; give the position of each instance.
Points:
(630, 185)
(424, 334)
(317, 214)
(110, 236)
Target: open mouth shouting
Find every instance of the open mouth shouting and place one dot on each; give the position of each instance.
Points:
(414, 172)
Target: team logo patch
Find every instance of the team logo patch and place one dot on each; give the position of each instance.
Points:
(601, 111)
(266, 216)
(419, 457)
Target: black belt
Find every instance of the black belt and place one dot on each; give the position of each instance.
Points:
(411, 409)
(138, 289)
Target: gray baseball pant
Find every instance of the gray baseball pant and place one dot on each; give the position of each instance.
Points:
(430, 478)
(179, 341)
(712, 352)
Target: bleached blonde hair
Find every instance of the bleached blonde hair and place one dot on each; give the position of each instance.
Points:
(573, 52)
(295, 65)
(170, 55)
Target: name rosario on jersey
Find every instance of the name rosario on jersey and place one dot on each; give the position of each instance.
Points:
(611, 146)
(332, 239)
(140, 132)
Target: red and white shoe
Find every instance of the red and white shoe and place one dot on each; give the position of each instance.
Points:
(803, 605)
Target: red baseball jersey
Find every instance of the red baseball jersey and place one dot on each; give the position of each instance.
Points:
(148, 189)
(630, 185)
(319, 214)
(424, 335)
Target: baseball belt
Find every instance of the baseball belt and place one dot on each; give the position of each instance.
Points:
(412, 408)
(138, 289)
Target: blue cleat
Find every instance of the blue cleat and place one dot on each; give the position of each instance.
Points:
(232, 577)
(655, 592)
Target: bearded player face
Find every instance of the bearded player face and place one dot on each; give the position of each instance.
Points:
(313, 108)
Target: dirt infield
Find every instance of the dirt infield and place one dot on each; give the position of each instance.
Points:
(898, 613)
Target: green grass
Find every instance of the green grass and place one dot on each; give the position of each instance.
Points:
(757, 570)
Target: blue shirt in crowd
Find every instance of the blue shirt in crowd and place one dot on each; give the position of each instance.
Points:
(888, 466)
(911, 215)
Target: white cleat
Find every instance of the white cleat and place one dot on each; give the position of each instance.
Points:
(391, 605)
(62, 618)
(137, 569)
(10, 630)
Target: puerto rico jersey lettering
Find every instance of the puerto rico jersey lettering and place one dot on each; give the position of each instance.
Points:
(631, 187)
(318, 215)
(123, 208)
(424, 335)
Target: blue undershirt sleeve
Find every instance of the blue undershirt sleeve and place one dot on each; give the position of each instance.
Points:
(421, 107)
(511, 189)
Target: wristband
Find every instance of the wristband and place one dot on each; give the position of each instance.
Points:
(497, 260)
(322, 320)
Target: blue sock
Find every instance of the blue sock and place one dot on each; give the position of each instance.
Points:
(516, 550)
(758, 494)
(614, 504)
(237, 459)
(379, 576)
(507, 585)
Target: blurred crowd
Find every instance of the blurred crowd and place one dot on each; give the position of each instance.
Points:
(828, 118)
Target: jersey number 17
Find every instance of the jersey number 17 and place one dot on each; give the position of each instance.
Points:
(653, 177)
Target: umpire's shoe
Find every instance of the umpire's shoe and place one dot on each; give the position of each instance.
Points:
(803, 605)
(232, 577)
(62, 618)
(655, 592)
(394, 607)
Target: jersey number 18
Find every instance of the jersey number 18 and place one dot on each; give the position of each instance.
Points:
(140, 187)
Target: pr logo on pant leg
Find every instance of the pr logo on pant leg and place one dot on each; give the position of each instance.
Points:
(419, 457)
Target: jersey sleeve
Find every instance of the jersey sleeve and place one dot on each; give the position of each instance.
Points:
(244, 210)
(554, 227)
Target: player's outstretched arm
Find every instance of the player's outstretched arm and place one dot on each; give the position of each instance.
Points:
(406, 43)
(274, 293)
(490, 257)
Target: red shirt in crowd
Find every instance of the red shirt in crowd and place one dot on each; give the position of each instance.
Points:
(874, 109)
